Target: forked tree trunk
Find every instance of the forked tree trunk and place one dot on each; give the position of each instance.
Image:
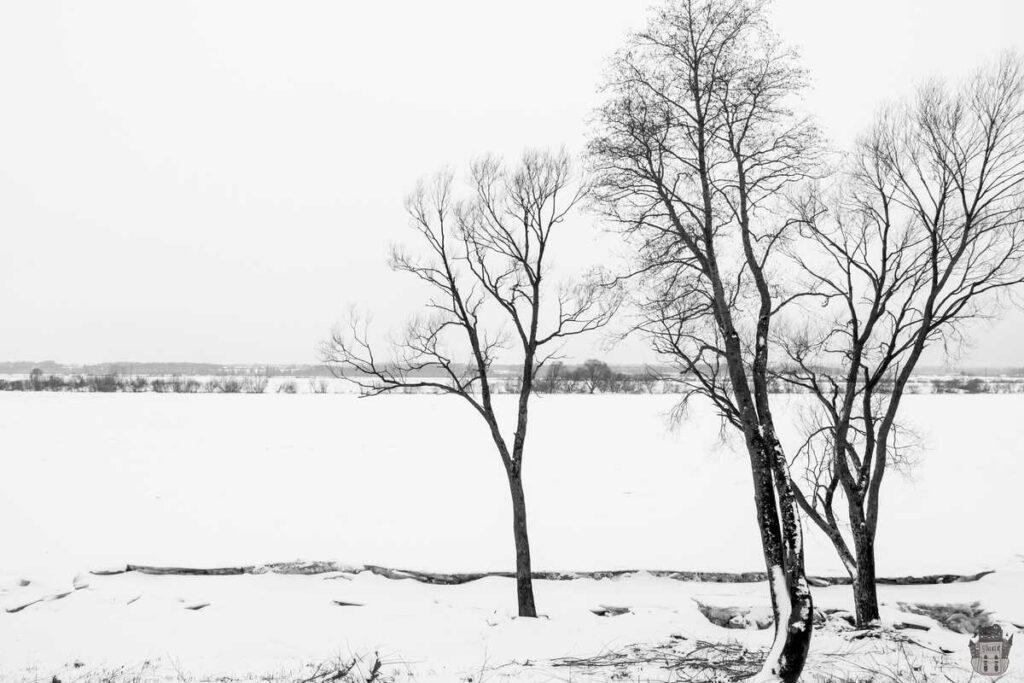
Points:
(783, 553)
(796, 641)
(865, 589)
(799, 625)
(524, 570)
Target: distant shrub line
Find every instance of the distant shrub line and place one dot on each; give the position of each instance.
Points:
(929, 385)
(592, 377)
(595, 376)
(109, 383)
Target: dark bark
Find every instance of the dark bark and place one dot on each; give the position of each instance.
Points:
(800, 626)
(801, 619)
(865, 584)
(776, 506)
(524, 572)
(793, 630)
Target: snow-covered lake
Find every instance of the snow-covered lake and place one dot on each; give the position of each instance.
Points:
(412, 481)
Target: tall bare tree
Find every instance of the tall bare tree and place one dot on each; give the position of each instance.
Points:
(695, 143)
(486, 266)
(924, 236)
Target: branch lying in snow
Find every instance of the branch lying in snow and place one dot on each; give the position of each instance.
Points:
(346, 670)
(457, 578)
(904, 625)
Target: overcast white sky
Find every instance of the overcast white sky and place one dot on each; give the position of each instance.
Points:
(216, 181)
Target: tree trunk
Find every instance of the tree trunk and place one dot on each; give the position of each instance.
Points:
(524, 571)
(794, 643)
(783, 551)
(865, 588)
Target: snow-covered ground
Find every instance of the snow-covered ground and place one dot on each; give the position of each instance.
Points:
(255, 625)
(251, 627)
(94, 480)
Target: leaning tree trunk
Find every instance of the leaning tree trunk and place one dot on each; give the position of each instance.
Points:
(524, 571)
(783, 553)
(794, 644)
(865, 587)
(800, 623)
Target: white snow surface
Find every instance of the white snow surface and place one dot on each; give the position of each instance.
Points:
(92, 481)
(255, 626)
(413, 481)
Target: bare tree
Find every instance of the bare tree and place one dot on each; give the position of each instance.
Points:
(924, 236)
(596, 375)
(487, 270)
(696, 141)
(551, 381)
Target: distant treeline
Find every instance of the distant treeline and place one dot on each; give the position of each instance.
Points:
(50, 367)
(252, 383)
(595, 377)
(948, 384)
(591, 377)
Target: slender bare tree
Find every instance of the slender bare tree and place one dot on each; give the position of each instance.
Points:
(695, 143)
(925, 235)
(487, 270)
